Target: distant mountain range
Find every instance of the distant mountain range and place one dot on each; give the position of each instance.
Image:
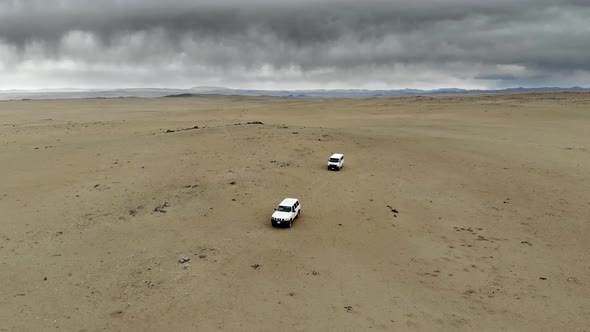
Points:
(198, 91)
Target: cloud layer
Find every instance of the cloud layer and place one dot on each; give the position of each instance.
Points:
(304, 44)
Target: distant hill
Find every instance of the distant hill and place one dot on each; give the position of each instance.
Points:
(196, 91)
(181, 95)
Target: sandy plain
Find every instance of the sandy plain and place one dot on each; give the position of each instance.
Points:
(492, 230)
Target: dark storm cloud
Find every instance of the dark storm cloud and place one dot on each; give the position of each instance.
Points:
(432, 42)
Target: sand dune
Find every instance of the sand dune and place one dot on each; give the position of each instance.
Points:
(492, 229)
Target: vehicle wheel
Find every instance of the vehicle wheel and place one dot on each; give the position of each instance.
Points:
(297, 216)
(290, 223)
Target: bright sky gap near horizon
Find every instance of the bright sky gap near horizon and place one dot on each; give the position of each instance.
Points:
(308, 44)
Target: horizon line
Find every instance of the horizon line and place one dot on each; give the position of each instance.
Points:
(72, 89)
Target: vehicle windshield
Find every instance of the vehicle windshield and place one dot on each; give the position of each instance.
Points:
(334, 160)
(284, 208)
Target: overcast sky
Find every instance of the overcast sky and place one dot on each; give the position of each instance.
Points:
(275, 44)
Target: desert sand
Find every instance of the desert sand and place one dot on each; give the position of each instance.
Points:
(492, 230)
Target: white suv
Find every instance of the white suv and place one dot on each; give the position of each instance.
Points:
(336, 161)
(287, 211)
